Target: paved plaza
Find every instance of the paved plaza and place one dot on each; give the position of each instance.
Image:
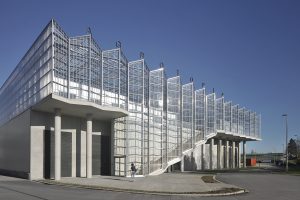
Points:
(260, 186)
(179, 183)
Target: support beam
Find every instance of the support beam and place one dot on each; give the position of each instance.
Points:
(233, 163)
(202, 156)
(89, 128)
(244, 154)
(226, 163)
(211, 154)
(182, 164)
(238, 155)
(57, 144)
(219, 154)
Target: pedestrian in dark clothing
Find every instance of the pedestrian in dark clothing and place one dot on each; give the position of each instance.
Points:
(133, 170)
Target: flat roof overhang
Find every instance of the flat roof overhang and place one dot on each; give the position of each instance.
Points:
(79, 108)
(223, 135)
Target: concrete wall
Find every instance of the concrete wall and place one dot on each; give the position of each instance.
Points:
(15, 146)
(41, 121)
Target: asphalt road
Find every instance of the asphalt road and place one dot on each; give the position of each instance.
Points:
(265, 185)
(261, 186)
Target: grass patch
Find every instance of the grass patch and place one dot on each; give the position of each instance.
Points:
(208, 179)
(225, 191)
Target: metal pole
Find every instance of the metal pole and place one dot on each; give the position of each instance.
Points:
(286, 143)
(296, 141)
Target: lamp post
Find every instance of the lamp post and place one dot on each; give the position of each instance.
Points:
(286, 141)
(296, 141)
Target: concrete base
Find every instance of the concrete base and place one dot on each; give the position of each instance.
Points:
(28, 132)
(212, 156)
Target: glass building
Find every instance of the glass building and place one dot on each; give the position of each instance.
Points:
(115, 111)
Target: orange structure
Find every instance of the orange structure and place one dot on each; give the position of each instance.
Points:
(251, 162)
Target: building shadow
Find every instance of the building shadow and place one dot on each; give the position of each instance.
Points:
(190, 163)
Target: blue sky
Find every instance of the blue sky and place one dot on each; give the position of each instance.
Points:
(250, 50)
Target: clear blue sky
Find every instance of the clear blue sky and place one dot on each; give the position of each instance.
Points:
(250, 50)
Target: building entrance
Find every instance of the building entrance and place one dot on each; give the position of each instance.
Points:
(101, 155)
(66, 154)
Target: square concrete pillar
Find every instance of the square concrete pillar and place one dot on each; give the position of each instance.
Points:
(226, 163)
(182, 164)
(202, 156)
(211, 154)
(238, 155)
(233, 161)
(219, 154)
(57, 144)
(89, 128)
(244, 154)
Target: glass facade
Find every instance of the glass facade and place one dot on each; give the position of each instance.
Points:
(165, 118)
(32, 79)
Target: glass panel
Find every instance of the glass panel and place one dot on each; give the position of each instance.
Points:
(241, 121)
(173, 117)
(110, 93)
(234, 122)
(156, 82)
(114, 78)
(220, 113)
(96, 73)
(252, 124)
(187, 116)
(247, 123)
(227, 122)
(199, 114)
(210, 107)
(135, 119)
(79, 67)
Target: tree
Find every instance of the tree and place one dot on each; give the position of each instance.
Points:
(292, 147)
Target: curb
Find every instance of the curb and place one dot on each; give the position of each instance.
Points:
(242, 189)
(92, 187)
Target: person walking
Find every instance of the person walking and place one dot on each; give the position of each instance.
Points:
(133, 170)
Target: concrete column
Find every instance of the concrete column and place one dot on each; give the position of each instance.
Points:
(112, 149)
(233, 155)
(182, 164)
(238, 156)
(219, 154)
(244, 154)
(57, 144)
(226, 155)
(89, 128)
(211, 154)
(74, 153)
(202, 156)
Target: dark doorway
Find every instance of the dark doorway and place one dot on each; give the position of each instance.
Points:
(96, 146)
(101, 155)
(47, 154)
(66, 154)
(105, 155)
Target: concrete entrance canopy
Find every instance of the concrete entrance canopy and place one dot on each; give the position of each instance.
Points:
(79, 108)
(222, 135)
